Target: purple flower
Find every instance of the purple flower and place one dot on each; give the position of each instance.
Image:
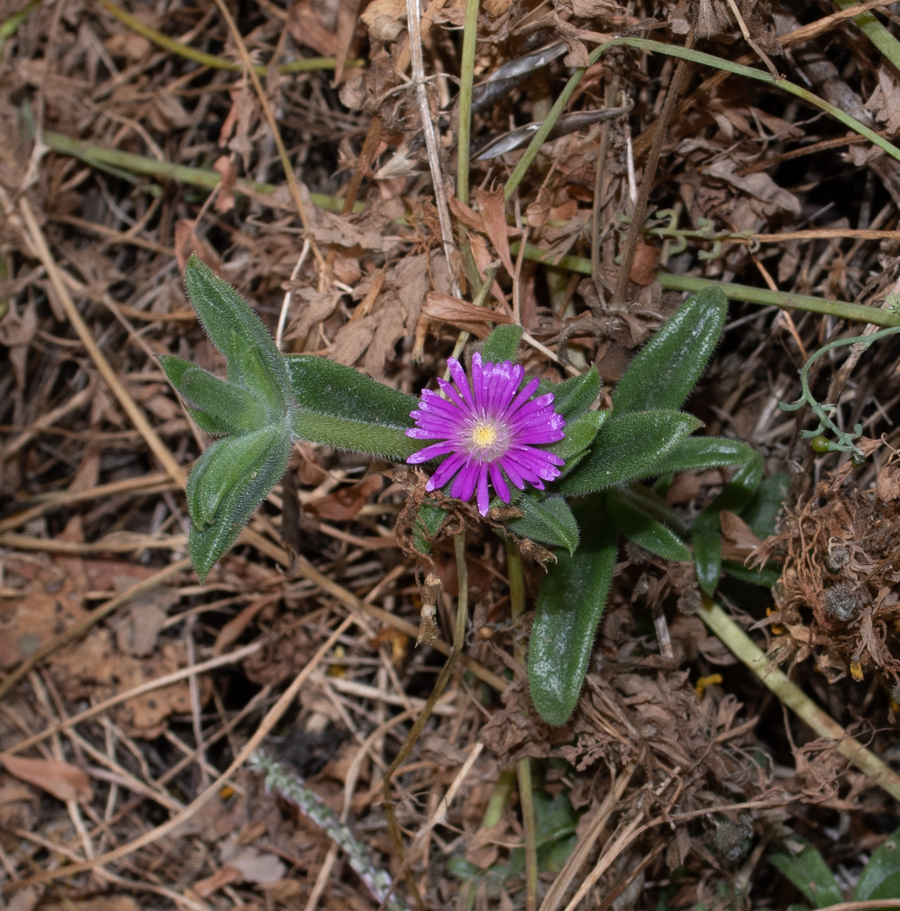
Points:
(487, 428)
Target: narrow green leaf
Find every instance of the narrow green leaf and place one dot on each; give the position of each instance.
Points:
(206, 545)
(569, 609)
(765, 577)
(667, 368)
(229, 406)
(649, 501)
(762, 511)
(174, 368)
(326, 387)
(227, 464)
(549, 521)
(629, 447)
(355, 435)
(644, 529)
(580, 434)
(256, 377)
(223, 312)
(810, 874)
(707, 558)
(707, 537)
(887, 888)
(502, 344)
(574, 396)
(882, 866)
(697, 453)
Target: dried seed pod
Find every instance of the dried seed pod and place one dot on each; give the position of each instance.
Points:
(690, 602)
(733, 836)
(838, 555)
(843, 601)
(895, 692)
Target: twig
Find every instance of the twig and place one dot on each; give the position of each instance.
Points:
(306, 65)
(795, 699)
(523, 766)
(459, 640)
(273, 126)
(157, 447)
(440, 192)
(271, 719)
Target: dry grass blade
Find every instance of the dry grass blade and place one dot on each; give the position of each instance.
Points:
(272, 717)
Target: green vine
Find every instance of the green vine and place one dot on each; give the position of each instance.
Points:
(845, 441)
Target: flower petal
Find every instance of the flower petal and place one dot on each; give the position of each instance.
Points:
(484, 500)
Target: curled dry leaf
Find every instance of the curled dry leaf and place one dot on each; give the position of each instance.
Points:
(345, 503)
(61, 779)
(442, 308)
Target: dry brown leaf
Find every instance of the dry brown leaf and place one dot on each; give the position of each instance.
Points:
(442, 308)
(232, 630)
(305, 26)
(738, 541)
(493, 216)
(187, 242)
(345, 503)
(225, 876)
(225, 166)
(61, 779)
(99, 903)
(887, 486)
(537, 212)
(643, 265)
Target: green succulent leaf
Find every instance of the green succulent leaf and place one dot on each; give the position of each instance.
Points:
(569, 608)
(883, 869)
(580, 434)
(229, 406)
(810, 874)
(697, 453)
(329, 388)
(887, 888)
(766, 576)
(265, 461)
(707, 558)
(663, 373)
(358, 436)
(629, 447)
(227, 464)
(574, 396)
(762, 511)
(644, 529)
(256, 377)
(549, 521)
(502, 344)
(223, 313)
(650, 502)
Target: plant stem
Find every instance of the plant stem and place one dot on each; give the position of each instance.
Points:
(459, 641)
(105, 159)
(761, 296)
(795, 699)
(466, 78)
(523, 766)
(873, 29)
(540, 137)
(306, 65)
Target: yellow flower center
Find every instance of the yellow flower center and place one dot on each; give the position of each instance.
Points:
(484, 436)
